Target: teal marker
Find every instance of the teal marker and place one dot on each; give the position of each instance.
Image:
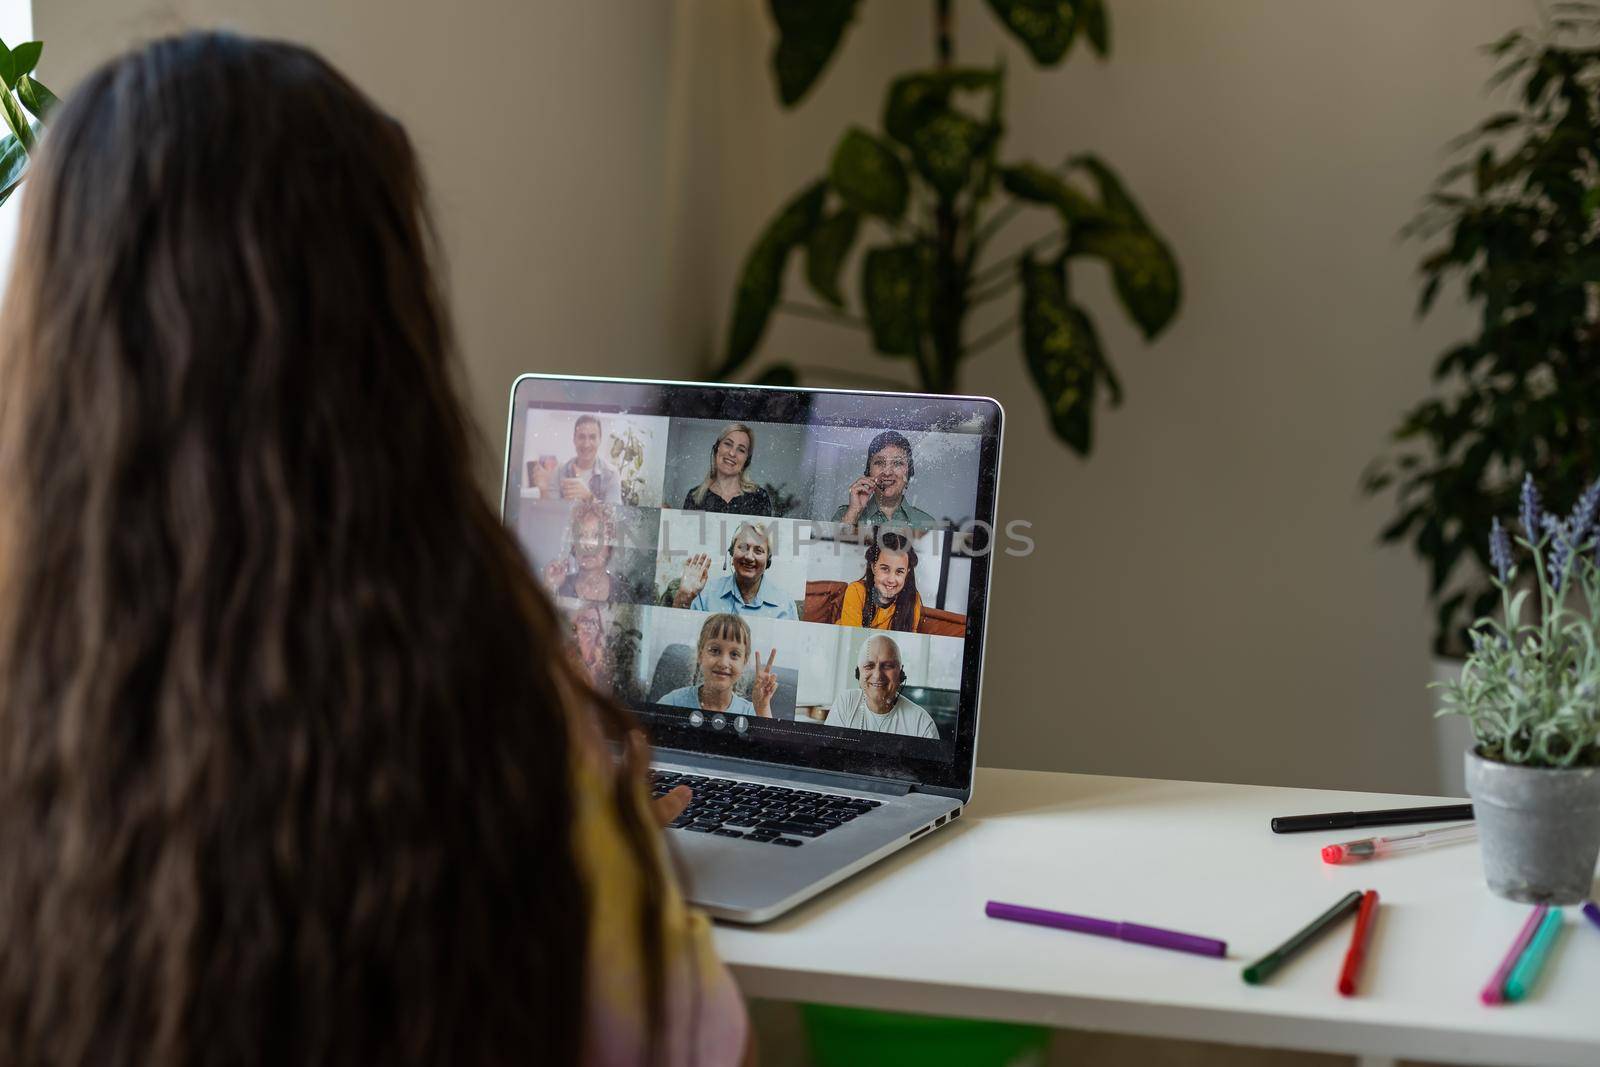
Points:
(1526, 972)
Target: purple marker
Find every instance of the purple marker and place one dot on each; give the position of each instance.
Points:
(1083, 924)
(1494, 992)
(1592, 910)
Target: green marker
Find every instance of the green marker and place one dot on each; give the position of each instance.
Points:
(1262, 969)
(1526, 972)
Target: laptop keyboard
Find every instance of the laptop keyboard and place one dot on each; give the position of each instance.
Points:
(764, 813)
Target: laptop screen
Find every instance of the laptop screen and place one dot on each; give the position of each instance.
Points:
(786, 575)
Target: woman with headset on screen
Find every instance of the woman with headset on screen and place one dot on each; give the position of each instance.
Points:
(885, 598)
(878, 497)
(727, 486)
(743, 592)
(877, 705)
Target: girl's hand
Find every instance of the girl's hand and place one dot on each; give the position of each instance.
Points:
(669, 805)
(766, 684)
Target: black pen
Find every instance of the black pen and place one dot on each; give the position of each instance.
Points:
(1344, 820)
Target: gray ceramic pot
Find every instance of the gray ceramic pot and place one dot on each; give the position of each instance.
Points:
(1539, 829)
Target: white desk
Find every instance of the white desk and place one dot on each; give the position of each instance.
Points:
(910, 934)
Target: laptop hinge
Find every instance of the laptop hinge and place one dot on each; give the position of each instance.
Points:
(810, 776)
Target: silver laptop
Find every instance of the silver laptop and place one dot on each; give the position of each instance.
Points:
(789, 587)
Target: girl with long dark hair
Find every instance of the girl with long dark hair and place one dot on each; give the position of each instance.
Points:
(293, 768)
(885, 597)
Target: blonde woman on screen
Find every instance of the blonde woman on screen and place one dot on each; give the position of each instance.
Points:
(727, 486)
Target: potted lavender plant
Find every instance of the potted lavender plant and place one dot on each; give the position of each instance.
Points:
(1530, 687)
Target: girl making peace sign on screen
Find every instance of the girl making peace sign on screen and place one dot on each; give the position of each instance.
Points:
(720, 658)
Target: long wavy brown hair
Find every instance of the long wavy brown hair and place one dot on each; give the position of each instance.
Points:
(285, 725)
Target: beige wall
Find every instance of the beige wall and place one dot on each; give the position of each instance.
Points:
(1207, 600)
(542, 128)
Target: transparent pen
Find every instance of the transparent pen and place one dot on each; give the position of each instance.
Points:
(1372, 847)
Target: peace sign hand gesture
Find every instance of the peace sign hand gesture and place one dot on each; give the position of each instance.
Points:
(765, 685)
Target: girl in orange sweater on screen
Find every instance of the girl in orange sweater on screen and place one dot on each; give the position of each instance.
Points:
(885, 598)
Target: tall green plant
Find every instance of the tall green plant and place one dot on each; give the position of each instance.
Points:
(1516, 220)
(21, 95)
(928, 193)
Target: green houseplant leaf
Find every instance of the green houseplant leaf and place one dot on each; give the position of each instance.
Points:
(931, 178)
(894, 291)
(1142, 269)
(809, 32)
(1115, 200)
(21, 128)
(826, 250)
(1096, 26)
(914, 98)
(1509, 219)
(761, 278)
(1045, 27)
(24, 58)
(944, 141)
(945, 147)
(1062, 351)
(1031, 182)
(35, 97)
(13, 165)
(868, 175)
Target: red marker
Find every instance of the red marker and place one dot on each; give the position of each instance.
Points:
(1358, 942)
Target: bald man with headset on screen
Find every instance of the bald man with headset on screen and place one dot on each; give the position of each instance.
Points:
(878, 705)
(878, 497)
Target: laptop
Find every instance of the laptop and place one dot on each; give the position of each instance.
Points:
(789, 587)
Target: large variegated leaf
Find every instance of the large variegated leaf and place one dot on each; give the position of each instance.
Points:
(826, 250)
(761, 278)
(1045, 27)
(1029, 181)
(868, 175)
(1096, 26)
(809, 32)
(1142, 268)
(944, 141)
(1062, 351)
(894, 291)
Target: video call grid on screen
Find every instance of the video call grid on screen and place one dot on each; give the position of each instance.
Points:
(613, 491)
